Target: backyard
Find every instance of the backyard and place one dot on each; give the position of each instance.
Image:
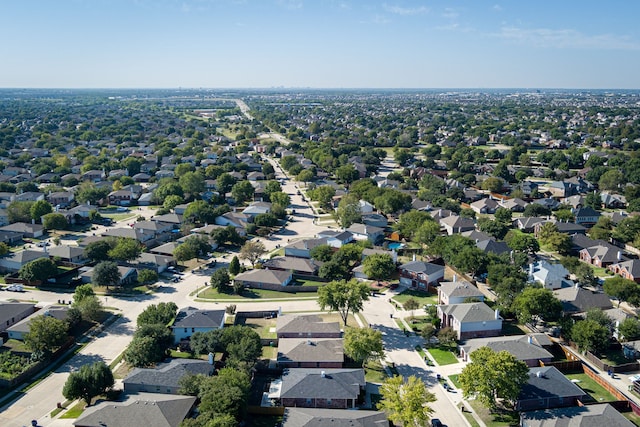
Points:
(443, 356)
(595, 390)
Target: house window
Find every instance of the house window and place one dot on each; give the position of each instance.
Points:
(308, 401)
(193, 330)
(185, 330)
(328, 401)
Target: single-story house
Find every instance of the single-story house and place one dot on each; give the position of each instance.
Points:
(420, 274)
(317, 417)
(236, 219)
(21, 328)
(302, 248)
(13, 261)
(485, 206)
(140, 409)
(458, 292)
(299, 266)
(156, 262)
(13, 312)
(601, 255)
(530, 349)
(601, 414)
(375, 220)
(165, 377)
(336, 238)
(548, 388)
(264, 279)
(316, 388)
(257, 208)
(190, 320)
(471, 320)
(30, 231)
(366, 232)
(66, 253)
(306, 326)
(128, 275)
(310, 353)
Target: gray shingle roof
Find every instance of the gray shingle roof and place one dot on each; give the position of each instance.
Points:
(315, 417)
(548, 382)
(311, 350)
(288, 323)
(598, 415)
(460, 289)
(168, 374)
(421, 267)
(469, 312)
(517, 345)
(143, 409)
(191, 317)
(322, 383)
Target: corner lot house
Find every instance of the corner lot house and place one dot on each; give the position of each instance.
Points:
(13, 312)
(165, 377)
(13, 261)
(471, 320)
(528, 348)
(21, 328)
(143, 409)
(264, 279)
(420, 274)
(191, 320)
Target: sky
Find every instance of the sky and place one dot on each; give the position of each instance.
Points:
(320, 44)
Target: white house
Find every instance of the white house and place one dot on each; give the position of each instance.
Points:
(550, 276)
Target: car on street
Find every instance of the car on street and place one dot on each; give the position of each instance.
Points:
(436, 422)
(14, 288)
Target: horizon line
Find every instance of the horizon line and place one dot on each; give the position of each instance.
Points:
(317, 88)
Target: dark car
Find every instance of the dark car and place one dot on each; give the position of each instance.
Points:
(436, 423)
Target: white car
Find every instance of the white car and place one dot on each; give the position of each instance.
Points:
(634, 378)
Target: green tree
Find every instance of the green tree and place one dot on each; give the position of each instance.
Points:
(252, 251)
(226, 393)
(158, 314)
(411, 304)
(629, 329)
(280, 198)
(343, 297)
(200, 212)
(45, 334)
(125, 249)
(40, 208)
(172, 201)
(322, 194)
(347, 174)
(332, 270)
(149, 345)
(225, 182)
(363, 344)
(167, 187)
(493, 184)
(192, 183)
(348, 210)
(242, 346)
(38, 269)
(322, 253)
(409, 222)
(590, 335)
(611, 180)
(537, 303)
(54, 221)
(18, 211)
(234, 266)
(490, 376)
(99, 250)
(620, 288)
(307, 175)
(89, 192)
(503, 215)
(106, 273)
(379, 266)
(242, 191)
(82, 292)
(88, 382)
(220, 279)
(406, 402)
(147, 276)
(90, 308)
(523, 243)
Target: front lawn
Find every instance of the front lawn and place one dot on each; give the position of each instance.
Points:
(443, 356)
(499, 419)
(250, 293)
(595, 390)
(423, 298)
(374, 372)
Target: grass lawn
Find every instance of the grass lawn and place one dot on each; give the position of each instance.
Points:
(509, 328)
(335, 317)
(210, 293)
(374, 372)
(262, 326)
(454, 380)
(75, 411)
(180, 354)
(614, 357)
(594, 389)
(505, 419)
(632, 417)
(119, 216)
(422, 297)
(270, 353)
(442, 356)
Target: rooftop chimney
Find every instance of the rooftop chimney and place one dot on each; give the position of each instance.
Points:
(323, 374)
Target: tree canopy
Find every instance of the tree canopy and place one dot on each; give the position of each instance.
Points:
(406, 402)
(343, 296)
(88, 382)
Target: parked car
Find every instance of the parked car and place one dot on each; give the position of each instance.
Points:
(436, 422)
(15, 288)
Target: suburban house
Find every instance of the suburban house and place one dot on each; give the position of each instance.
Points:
(514, 205)
(141, 409)
(628, 269)
(30, 231)
(493, 246)
(190, 320)
(302, 248)
(264, 279)
(156, 262)
(527, 224)
(366, 232)
(421, 275)
(13, 261)
(455, 224)
(586, 215)
(458, 293)
(316, 417)
(316, 388)
(471, 320)
(548, 388)
(18, 330)
(13, 312)
(297, 266)
(601, 255)
(121, 197)
(310, 353)
(375, 220)
(60, 198)
(165, 377)
(530, 349)
(307, 326)
(336, 238)
(367, 252)
(128, 275)
(601, 414)
(613, 201)
(236, 219)
(485, 206)
(257, 208)
(579, 300)
(66, 253)
(550, 276)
